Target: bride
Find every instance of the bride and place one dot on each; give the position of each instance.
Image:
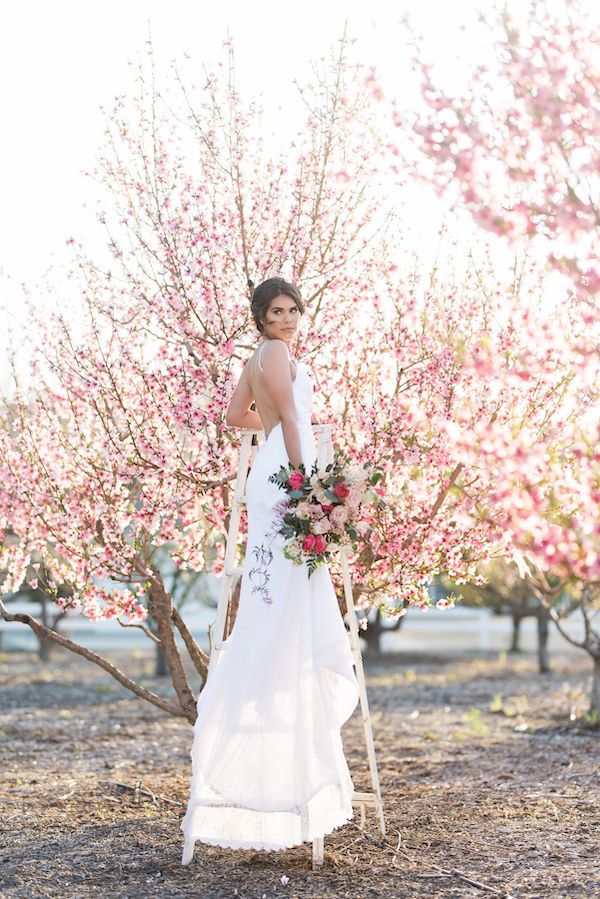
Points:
(268, 765)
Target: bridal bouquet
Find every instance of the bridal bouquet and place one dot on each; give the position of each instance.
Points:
(326, 508)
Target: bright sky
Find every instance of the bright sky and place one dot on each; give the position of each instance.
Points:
(60, 61)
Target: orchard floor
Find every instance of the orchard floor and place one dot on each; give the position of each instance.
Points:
(489, 771)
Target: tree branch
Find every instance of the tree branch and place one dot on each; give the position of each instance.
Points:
(196, 653)
(48, 634)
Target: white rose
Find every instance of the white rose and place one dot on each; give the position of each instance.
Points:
(293, 550)
(302, 510)
(356, 474)
(321, 496)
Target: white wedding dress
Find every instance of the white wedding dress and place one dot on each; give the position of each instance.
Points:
(268, 765)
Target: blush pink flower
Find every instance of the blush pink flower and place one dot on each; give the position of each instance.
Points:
(340, 490)
(296, 480)
(321, 526)
(308, 544)
(320, 544)
(339, 515)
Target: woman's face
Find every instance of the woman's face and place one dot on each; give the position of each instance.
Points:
(282, 318)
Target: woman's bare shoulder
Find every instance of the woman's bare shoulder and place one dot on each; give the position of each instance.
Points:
(252, 356)
(274, 347)
(273, 351)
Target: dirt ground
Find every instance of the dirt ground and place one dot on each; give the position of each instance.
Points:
(489, 774)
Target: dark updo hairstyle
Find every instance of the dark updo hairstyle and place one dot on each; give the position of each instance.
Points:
(267, 291)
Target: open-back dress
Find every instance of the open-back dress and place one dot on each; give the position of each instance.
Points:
(268, 765)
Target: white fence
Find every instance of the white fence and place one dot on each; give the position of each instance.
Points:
(437, 630)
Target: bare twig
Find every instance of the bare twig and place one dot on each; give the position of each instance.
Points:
(455, 872)
(138, 789)
(142, 627)
(445, 872)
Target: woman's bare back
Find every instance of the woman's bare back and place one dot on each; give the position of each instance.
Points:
(260, 388)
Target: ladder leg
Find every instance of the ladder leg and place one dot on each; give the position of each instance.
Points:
(230, 551)
(188, 852)
(364, 702)
(318, 852)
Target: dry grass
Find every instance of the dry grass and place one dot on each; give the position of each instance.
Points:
(489, 774)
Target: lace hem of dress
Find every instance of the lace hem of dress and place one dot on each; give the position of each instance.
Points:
(335, 824)
(331, 814)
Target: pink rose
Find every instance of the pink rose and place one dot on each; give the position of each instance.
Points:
(327, 508)
(296, 480)
(320, 544)
(308, 544)
(340, 490)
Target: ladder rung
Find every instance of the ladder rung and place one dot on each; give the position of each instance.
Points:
(365, 797)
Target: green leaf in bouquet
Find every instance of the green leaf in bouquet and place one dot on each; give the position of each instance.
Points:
(280, 477)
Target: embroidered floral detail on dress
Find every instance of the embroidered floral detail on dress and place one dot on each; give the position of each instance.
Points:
(259, 574)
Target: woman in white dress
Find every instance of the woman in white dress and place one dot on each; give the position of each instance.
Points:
(268, 765)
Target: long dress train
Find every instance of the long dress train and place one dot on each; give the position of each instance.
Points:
(268, 765)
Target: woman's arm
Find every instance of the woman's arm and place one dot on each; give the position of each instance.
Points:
(276, 368)
(239, 414)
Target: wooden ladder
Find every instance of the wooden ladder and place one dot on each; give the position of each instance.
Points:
(324, 437)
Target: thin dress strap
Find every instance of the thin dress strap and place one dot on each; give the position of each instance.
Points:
(259, 355)
(262, 348)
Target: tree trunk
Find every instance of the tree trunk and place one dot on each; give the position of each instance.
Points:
(515, 643)
(43, 644)
(160, 606)
(372, 635)
(160, 663)
(542, 628)
(595, 698)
